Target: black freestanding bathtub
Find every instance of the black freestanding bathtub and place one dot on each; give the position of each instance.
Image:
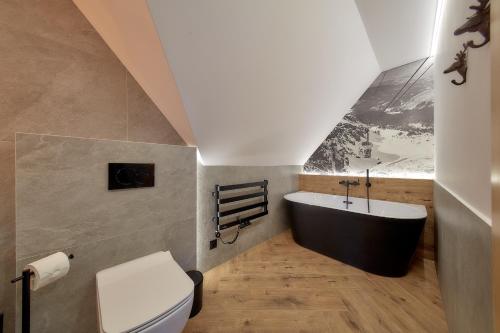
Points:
(382, 242)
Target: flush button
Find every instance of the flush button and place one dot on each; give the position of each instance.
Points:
(130, 175)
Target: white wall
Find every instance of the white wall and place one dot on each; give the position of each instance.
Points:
(462, 116)
(400, 31)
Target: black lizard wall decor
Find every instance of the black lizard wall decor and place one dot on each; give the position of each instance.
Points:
(459, 66)
(479, 22)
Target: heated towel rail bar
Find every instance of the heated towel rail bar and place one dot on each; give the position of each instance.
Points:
(240, 221)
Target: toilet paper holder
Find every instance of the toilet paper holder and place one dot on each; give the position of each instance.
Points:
(25, 277)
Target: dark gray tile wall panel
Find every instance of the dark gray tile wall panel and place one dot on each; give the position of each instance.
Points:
(62, 204)
(463, 264)
(282, 180)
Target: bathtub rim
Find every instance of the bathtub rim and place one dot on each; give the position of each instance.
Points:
(418, 206)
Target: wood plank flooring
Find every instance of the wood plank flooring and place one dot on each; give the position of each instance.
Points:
(279, 286)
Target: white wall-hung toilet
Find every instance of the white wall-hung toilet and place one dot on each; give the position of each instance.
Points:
(151, 294)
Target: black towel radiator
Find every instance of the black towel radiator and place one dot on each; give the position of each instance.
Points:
(241, 222)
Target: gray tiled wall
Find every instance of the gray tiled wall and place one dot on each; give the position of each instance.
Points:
(464, 264)
(62, 203)
(282, 180)
(59, 77)
(7, 233)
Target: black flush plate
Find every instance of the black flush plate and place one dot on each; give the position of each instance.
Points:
(130, 175)
(213, 244)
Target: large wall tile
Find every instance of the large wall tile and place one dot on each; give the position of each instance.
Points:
(463, 264)
(59, 77)
(7, 234)
(69, 304)
(63, 204)
(282, 180)
(146, 123)
(62, 196)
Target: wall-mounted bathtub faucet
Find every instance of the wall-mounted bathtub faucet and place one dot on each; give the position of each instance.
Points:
(348, 183)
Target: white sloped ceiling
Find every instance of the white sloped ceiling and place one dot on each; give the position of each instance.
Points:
(264, 82)
(261, 82)
(400, 30)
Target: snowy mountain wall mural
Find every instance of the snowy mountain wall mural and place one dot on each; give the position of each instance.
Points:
(390, 129)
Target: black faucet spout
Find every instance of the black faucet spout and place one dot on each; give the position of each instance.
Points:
(348, 183)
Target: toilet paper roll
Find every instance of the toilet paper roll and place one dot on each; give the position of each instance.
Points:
(48, 269)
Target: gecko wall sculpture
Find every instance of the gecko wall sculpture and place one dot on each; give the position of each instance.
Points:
(459, 66)
(479, 22)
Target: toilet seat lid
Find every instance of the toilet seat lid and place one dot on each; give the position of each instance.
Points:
(138, 291)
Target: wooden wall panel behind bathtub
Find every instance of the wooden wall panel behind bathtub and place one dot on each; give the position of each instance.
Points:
(416, 191)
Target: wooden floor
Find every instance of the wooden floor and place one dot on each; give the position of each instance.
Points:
(279, 286)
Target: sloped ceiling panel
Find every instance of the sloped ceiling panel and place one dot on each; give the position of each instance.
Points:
(400, 31)
(264, 82)
(127, 28)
